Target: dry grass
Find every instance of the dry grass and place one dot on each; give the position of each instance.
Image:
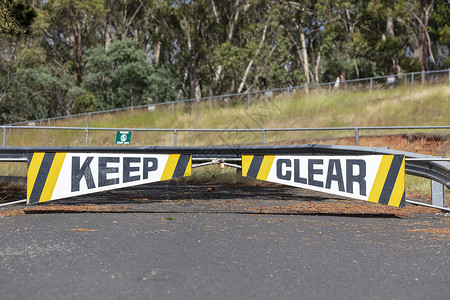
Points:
(9, 189)
(389, 107)
(394, 107)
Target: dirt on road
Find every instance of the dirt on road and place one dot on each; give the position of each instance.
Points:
(180, 197)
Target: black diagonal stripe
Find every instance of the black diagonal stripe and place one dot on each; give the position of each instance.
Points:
(30, 157)
(402, 202)
(41, 178)
(181, 166)
(390, 179)
(255, 165)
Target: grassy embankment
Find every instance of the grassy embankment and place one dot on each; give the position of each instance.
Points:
(427, 106)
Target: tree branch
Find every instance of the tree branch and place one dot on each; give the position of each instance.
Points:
(249, 66)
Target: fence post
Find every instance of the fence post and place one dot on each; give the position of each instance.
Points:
(86, 136)
(370, 86)
(329, 88)
(209, 103)
(4, 136)
(248, 100)
(412, 83)
(289, 91)
(437, 194)
(89, 119)
(264, 137)
(449, 77)
(356, 136)
(173, 108)
(175, 137)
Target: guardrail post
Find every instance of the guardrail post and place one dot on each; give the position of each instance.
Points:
(437, 194)
(248, 100)
(175, 137)
(412, 83)
(4, 136)
(370, 86)
(356, 136)
(264, 137)
(86, 137)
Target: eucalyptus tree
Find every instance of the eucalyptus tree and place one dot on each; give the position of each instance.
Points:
(16, 17)
(121, 76)
(123, 18)
(37, 90)
(70, 28)
(440, 34)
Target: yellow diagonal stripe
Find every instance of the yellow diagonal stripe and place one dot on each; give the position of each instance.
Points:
(380, 179)
(246, 161)
(52, 177)
(265, 167)
(399, 187)
(170, 166)
(189, 167)
(33, 170)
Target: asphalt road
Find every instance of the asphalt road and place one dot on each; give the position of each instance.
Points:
(222, 255)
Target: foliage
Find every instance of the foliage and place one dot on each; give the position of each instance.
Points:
(121, 76)
(37, 93)
(133, 52)
(16, 18)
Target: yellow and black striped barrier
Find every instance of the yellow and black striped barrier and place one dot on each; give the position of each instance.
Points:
(56, 175)
(375, 178)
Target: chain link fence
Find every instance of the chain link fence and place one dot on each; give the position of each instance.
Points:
(433, 140)
(412, 82)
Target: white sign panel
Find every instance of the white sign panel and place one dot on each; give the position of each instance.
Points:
(375, 178)
(54, 176)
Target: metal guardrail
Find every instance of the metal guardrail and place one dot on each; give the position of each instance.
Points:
(387, 80)
(435, 170)
(263, 132)
(420, 165)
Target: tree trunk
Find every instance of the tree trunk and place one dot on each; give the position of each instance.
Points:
(316, 70)
(157, 52)
(79, 49)
(395, 66)
(423, 50)
(108, 33)
(305, 58)
(231, 25)
(249, 66)
(263, 68)
(426, 48)
(390, 26)
(424, 54)
(356, 68)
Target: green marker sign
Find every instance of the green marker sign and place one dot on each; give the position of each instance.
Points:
(123, 137)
